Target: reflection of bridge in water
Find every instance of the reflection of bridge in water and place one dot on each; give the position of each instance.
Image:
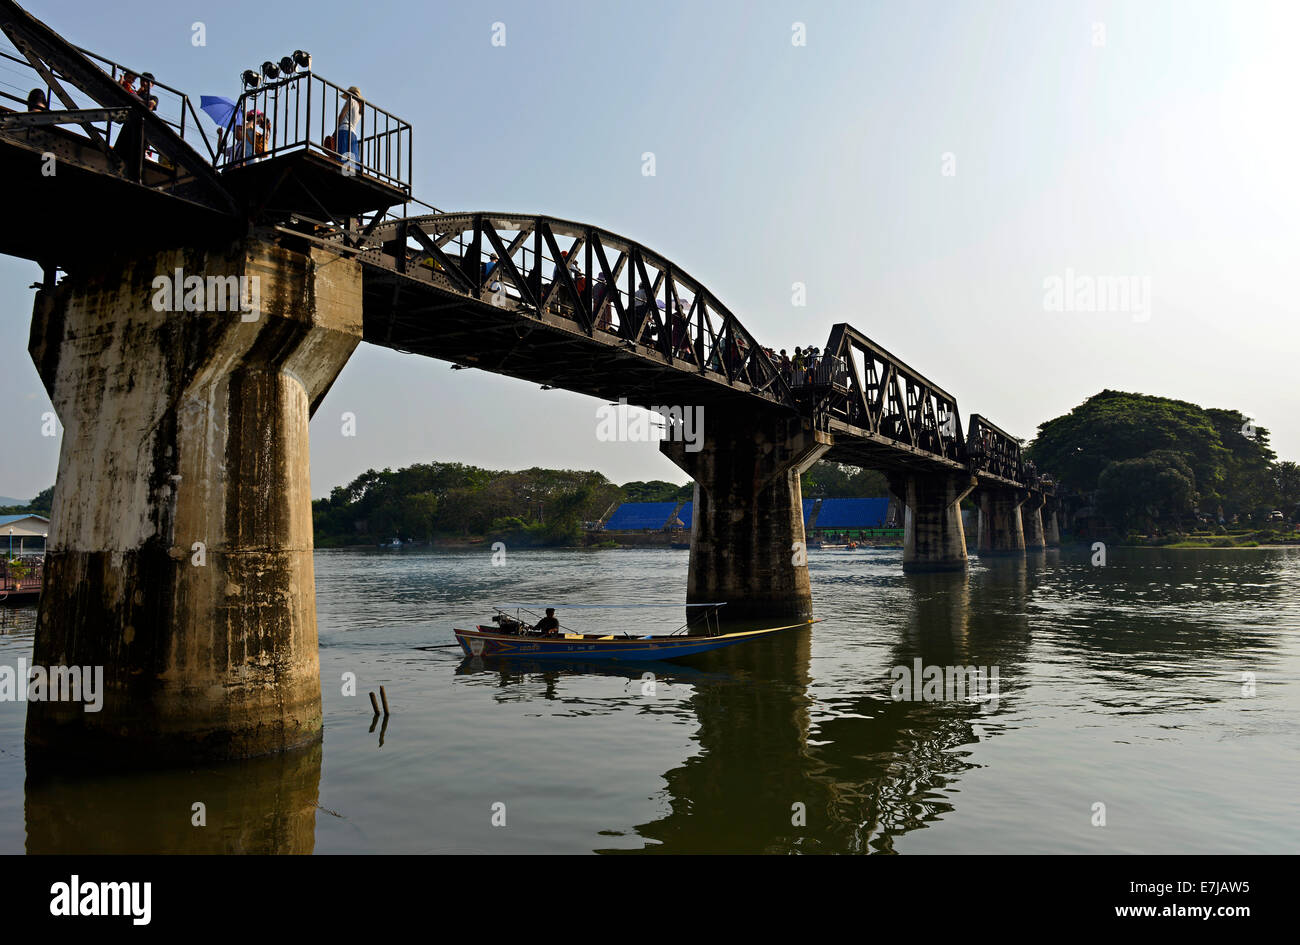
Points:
(867, 768)
(185, 411)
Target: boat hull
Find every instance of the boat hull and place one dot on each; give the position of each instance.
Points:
(489, 644)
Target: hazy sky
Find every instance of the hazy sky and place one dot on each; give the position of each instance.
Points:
(925, 169)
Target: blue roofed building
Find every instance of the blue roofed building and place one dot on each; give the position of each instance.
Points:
(821, 517)
(641, 516)
(25, 533)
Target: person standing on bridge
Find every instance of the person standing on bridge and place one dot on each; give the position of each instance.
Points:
(564, 263)
(346, 137)
(599, 292)
(641, 302)
(36, 101)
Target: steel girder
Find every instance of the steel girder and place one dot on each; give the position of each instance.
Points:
(693, 327)
(891, 401)
(995, 453)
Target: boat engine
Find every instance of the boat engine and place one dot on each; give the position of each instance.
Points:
(507, 623)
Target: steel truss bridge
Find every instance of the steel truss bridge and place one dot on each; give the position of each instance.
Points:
(565, 304)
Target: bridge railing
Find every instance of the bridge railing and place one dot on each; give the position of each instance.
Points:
(826, 373)
(18, 77)
(24, 575)
(305, 112)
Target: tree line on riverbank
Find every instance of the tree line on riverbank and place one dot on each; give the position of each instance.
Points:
(535, 506)
(1157, 465)
(1142, 463)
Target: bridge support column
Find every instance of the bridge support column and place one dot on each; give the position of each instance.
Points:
(747, 536)
(1051, 524)
(934, 538)
(1002, 530)
(180, 546)
(1031, 516)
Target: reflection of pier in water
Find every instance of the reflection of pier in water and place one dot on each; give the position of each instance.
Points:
(265, 805)
(868, 769)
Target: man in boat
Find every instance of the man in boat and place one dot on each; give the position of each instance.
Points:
(548, 624)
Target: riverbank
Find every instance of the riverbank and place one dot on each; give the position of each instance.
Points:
(605, 541)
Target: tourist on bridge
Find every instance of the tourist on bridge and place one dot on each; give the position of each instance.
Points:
(488, 268)
(250, 137)
(574, 271)
(641, 301)
(347, 136)
(128, 81)
(681, 333)
(548, 624)
(146, 87)
(36, 101)
(149, 153)
(603, 318)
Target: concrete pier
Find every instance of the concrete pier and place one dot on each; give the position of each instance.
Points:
(180, 546)
(1052, 523)
(1002, 531)
(747, 536)
(1031, 517)
(934, 538)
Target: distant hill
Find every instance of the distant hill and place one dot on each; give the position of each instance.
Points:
(39, 503)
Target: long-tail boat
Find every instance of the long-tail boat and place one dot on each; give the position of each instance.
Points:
(513, 638)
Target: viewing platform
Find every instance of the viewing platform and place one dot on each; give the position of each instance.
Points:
(303, 144)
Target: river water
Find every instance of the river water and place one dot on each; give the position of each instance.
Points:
(1159, 693)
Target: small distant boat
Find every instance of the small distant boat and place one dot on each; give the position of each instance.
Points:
(511, 639)
(395, 543)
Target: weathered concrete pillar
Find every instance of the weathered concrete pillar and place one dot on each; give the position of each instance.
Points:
(934, 538)
(1031, 517)
(1003, 531)
(747, 537)
(894, 514)
(181, 535)
(1051, 524)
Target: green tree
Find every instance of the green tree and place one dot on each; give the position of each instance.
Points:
(1286, 489)
(656, 490)
(825, 480)
(1114, 426)
(1155, 490)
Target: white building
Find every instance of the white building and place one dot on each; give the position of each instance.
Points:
(26, 533)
